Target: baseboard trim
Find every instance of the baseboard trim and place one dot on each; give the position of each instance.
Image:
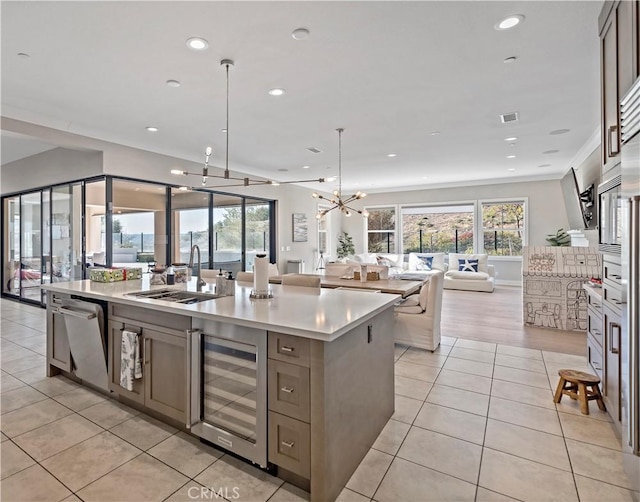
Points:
(509, 283)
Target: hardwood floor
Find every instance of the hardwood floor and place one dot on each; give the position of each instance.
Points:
(497, 317)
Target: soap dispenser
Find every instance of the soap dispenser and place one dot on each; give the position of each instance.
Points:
(221, 284)
(230, 287)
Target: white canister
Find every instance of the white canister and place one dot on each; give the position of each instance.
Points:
(261, 274)
(363, 273)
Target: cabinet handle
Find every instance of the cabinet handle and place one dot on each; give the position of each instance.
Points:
(285, 348)
(595, 332)
(145, 357)
(612, 326)
(288, 390)
(288, 444)
(610, 147)
(595, 367)
(596, 306)
(617, 277)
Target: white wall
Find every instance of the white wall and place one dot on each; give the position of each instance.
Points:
(49, 168)
(588, 172)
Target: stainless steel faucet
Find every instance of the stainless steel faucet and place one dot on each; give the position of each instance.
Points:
(199, 281)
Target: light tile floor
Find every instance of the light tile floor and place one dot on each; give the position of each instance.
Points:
(474, 421)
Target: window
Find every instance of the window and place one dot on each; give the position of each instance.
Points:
(503, 227)
(444, 229)
(324, 233)
(381, 230)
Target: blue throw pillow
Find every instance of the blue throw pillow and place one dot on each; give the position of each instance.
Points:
(424, 262)
(467, 265)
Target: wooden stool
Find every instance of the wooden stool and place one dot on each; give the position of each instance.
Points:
(579, 385)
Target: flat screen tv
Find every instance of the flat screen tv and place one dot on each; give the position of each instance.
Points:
(579, 205)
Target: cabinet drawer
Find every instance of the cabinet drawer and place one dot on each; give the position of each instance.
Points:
(289, 444)
(611, 273)
(594, 301)
(594, 325)
(144, 317)
(289, 389)
(612, 296)
(289, 348)
(594, 355)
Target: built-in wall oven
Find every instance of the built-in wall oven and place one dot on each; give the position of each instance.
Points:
(229, 387)
(610, 215)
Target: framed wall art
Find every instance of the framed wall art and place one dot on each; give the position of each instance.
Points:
(300, 227)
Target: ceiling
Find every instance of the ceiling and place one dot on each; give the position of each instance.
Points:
(390, 73)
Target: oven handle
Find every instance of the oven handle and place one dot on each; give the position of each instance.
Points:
(193, 376)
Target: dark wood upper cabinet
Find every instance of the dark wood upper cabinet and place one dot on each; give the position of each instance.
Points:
(619, 64)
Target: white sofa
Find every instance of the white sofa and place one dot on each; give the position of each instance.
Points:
(459, 276)
(417, 318)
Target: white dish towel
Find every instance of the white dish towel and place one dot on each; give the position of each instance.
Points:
(130, 364)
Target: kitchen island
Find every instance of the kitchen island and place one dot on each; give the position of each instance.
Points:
(322, 384)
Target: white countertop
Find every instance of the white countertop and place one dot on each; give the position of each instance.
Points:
(323, 314)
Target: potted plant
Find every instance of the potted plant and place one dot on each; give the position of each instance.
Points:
(345, 245)
(560, 238)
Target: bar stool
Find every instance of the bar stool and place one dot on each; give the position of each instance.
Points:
(579, 385)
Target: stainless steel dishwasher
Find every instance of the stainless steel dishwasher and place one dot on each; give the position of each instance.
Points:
(84, 321)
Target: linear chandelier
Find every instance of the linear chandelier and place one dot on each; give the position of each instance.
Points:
(241, 181)
(337, 200)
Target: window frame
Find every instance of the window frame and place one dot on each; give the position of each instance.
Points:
(441, 204)
(397, 224)
(525, 228)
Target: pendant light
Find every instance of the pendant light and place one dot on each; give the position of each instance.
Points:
(243, 181)
(337, 201)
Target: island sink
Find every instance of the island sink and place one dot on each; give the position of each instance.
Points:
(171, 295)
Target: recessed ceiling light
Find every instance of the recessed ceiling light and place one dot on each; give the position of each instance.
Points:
(173, 83)
(425, 177)
(512, 138)
(392, 154)
(23, 55)
(509, 22)
(330, 179)
(305, 167)
(510, 59)
(511, 156)
(511, 169)
(152, 129)
(550, 151)
(544, 165)
(224, 131)
(559, 131)
(197, 44)
(276, 92)
(300, 34)
(435, 133)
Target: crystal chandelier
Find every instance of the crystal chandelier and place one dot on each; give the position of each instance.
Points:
(337, 201)
(240, 181)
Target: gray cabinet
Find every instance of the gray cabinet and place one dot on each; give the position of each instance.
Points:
(163, 386)
(612, 303)
(594, 330)
(612, 332)
(619, 56)
(328, 401)
(58, 352)
(289, 403)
